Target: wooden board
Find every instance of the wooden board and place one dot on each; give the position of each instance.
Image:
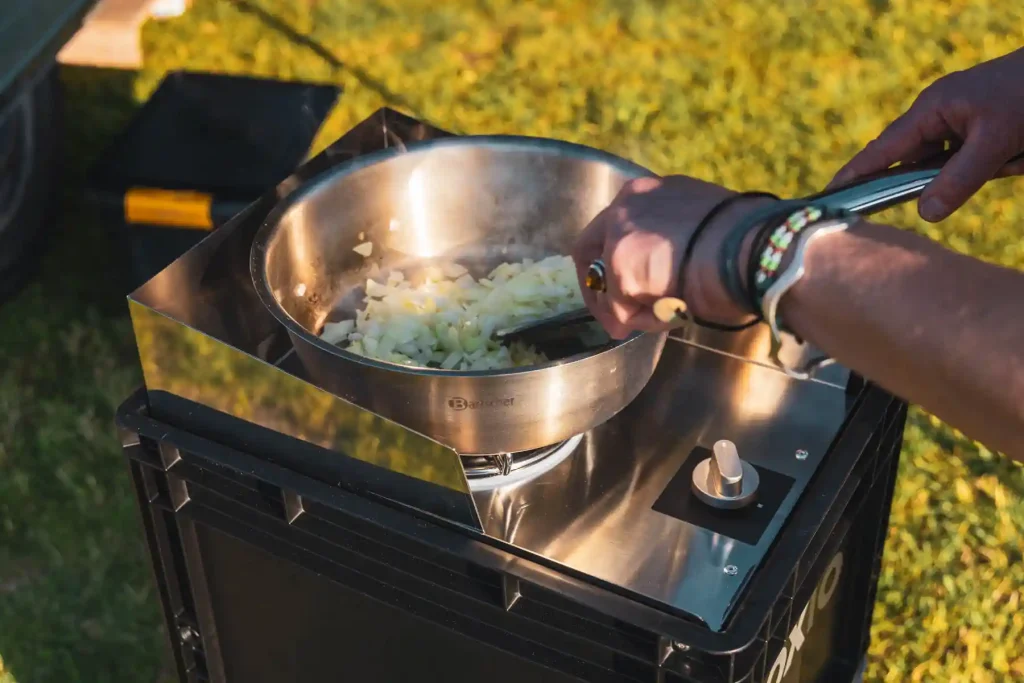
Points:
(110, 35)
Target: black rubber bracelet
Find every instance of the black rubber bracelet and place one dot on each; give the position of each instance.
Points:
(691, 246)
(729, 256)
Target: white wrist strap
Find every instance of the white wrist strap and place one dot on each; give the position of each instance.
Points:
(787, 279)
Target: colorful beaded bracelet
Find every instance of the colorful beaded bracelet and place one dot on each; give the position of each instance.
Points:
(730, 269)
(779, 242)
(768, 255)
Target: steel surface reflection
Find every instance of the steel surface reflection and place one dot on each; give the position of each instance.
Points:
(199, 368)
(594, 512)
(203, 335)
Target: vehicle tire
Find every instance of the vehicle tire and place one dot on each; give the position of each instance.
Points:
(31, 132)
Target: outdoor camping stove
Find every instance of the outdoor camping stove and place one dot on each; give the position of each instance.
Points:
(609, 558)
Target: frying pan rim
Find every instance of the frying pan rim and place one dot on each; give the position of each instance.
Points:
(272, 223)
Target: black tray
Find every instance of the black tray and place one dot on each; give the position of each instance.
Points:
(202, 148)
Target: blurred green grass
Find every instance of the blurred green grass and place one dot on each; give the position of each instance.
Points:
(754, 94)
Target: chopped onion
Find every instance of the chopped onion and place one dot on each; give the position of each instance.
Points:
(448, 320)
(335, 333)
(364, 249)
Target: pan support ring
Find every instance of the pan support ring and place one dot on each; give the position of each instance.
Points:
(501, 469)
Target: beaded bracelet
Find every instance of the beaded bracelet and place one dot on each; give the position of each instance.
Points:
(729, 255)
(760, 241)
(765, 258)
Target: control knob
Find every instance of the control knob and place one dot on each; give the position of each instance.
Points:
(725, 480)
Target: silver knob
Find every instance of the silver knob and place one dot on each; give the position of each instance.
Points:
(725, 480)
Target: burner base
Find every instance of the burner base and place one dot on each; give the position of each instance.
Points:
(485, 472)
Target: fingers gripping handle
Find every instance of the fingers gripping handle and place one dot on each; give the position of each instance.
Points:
(864, 196)
(882, 190)
(667, 309)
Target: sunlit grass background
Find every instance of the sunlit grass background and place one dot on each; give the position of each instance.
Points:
(756, 94)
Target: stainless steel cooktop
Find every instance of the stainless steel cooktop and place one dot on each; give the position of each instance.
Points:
(621, 508)
(615, 506)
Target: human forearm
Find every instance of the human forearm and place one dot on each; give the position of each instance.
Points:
(932, 326)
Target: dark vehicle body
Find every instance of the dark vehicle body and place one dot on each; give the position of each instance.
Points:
(32, 32)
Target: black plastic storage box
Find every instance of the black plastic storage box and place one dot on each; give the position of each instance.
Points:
(268, 574)
(202, 148)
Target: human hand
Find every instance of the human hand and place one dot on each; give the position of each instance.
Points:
(641, 238)
(980, 110)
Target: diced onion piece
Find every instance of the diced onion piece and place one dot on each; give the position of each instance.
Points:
(452, 360)
(364, 249)
(449, 319)
(335, 333)
(376, 289)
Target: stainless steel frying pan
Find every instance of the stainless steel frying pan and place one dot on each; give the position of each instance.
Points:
(479, 201)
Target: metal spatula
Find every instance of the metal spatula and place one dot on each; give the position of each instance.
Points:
(535, 329)
(667, 309)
